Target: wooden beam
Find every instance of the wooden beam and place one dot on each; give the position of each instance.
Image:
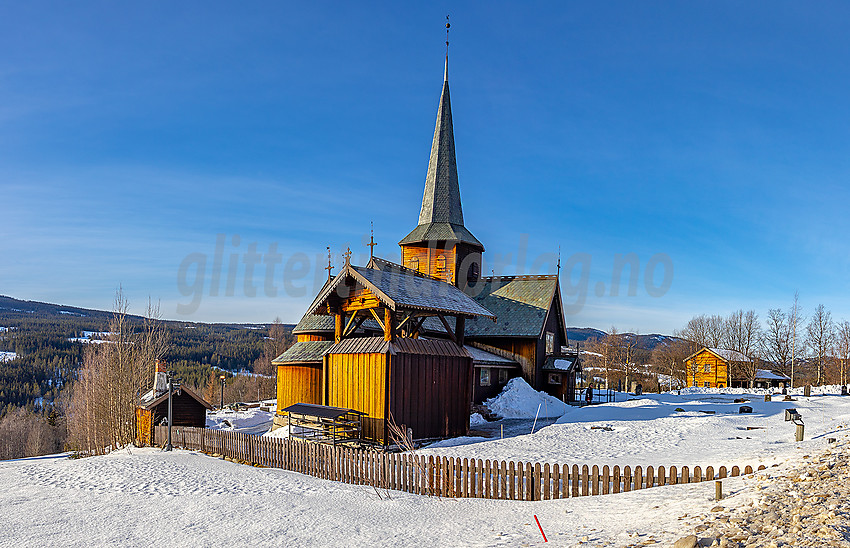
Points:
(357, 324)
(460, 322)
(378, 318)
(448, 327)
(409, 317)
(338, 327)
(389, 318)
(350, 321)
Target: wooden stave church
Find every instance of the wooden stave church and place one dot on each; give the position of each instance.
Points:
(519, 330)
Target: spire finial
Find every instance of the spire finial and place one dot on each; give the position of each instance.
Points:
(559, 261)
(446, 71)
(330, 266)
(347, 256)
(372, 243)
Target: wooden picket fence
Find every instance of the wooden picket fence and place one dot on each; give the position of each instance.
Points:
(437, 476)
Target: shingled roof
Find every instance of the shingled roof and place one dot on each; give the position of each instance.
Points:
(304, 352)
(441, 216)
(519, 302)
(399, 291)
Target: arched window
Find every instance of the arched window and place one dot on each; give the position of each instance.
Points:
(441, 263)
(414, 263)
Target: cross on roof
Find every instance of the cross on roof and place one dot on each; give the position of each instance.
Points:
(372, 243)
(330, 267)
(347, 255)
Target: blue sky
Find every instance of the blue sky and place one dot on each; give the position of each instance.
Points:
(707, 138)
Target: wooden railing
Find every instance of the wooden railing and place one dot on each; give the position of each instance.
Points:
(438, 476)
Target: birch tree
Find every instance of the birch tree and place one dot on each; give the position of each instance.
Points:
(820, 336)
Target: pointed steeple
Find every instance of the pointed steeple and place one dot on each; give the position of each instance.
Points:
(441, 215)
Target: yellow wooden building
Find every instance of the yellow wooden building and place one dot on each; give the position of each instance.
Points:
(712, 367)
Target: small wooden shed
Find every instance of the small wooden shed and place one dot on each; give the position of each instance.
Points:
(188, 408)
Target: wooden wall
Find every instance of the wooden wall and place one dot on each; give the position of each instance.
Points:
(299, 384)
(428, 261)
(522, 350)
(306, 337)
(186, 410)
(716, 377)
(431, 394)
(358, 381)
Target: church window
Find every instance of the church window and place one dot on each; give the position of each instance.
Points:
(414, 263)
(484, 377)
(554, 378)
(707, 368)
(441, 263)
(706, 384)
(503, 376)
(550, 342)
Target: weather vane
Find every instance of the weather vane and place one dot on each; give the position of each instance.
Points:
(559, 261)
(448, 26)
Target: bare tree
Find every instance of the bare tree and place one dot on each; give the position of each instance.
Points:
(795, 320)
(776, 339)
(742, 333)
(670, 358)
(820, 337)
(103, 405)
(842, 349)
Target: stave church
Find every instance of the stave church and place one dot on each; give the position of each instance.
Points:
(418, 343)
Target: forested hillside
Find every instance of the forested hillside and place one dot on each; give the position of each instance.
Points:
(42, 345)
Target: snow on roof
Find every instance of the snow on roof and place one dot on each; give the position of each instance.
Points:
(767, 374)
(730, 355)
(562, 364)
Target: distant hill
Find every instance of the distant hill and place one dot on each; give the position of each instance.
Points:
(644, 342)
(12, 309)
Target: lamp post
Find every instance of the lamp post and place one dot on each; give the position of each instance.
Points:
(221, 404)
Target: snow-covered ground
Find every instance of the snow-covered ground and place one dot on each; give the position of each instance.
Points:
(7, 356)
(144, 497)
(249, 421)
(648, 429)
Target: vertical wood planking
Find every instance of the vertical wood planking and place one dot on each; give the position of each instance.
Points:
(574, 481)
(547, 479)
(606, 480)
(594, 474)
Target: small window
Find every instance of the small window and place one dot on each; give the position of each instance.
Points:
(550, 342)
(413, 263)
(554, 378)
(706, 368)
(484, 377)
(473, 273)
(706, 384)
(441, 263)
(503, 376)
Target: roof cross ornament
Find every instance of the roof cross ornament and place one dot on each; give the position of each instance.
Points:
(559, 261)
(330, 266)
(372, 243)
(347, 256)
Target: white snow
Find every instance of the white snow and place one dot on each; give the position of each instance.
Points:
(7, 356)
(476, 420)
(647, 430)
(145, 497)
(519, 400)
(249, 421)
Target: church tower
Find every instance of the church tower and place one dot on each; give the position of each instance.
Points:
(440, 246)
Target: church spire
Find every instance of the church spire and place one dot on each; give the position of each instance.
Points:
(441, 215)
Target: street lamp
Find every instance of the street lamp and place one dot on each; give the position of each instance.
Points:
(221, 405)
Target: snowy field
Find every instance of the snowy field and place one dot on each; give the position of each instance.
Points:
(145, 497)
(648, 429)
